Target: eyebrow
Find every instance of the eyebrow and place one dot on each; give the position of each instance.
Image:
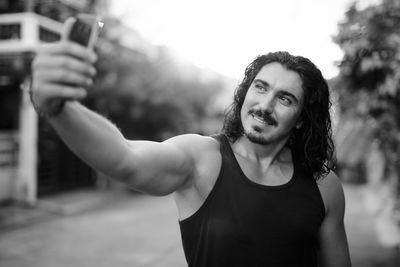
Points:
(282, 91)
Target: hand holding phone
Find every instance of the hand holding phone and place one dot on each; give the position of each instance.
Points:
(77, 74)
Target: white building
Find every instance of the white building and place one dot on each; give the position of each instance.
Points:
(27, 168)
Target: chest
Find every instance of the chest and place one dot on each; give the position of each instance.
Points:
(276, 217)
(272, 176)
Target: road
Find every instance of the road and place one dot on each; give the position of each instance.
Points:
(135, 231)
(142, 231)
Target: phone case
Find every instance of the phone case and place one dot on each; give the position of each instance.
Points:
(84, 30)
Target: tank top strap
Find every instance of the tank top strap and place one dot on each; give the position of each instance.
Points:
(219, 137)
(225, 149)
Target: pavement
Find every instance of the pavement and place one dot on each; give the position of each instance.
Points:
(121, 228)
(89, 228)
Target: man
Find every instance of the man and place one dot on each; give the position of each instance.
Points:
(260, 194)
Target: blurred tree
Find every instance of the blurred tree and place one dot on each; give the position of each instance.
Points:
(369, 79)
(149, 94)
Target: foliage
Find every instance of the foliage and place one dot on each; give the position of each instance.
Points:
(369, 79)
(149, 94)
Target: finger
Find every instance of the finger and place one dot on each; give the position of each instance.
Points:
(63, 77)
(68, 48)
(64, 62)
(63, 91)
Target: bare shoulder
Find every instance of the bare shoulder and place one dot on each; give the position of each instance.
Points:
(207, 161)
(205, 152)
(202, 151)
(194, 143)
(330, 184)
(332, 193)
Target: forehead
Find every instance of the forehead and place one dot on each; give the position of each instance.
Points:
(280, 78)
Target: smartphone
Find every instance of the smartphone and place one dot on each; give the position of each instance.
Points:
(83, 29)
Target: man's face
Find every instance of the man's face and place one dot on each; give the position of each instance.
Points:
(273, 104)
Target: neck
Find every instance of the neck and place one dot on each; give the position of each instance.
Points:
(265, 154)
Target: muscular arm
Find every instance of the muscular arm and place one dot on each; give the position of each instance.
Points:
(334, 250)
(152, 167)
(61, 72)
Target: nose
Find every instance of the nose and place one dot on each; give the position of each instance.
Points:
(267, 103)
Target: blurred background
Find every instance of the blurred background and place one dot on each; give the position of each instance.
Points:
(171, 67)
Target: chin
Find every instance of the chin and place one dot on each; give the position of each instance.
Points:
(257, 138)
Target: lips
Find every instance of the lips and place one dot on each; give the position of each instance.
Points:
(266, 119)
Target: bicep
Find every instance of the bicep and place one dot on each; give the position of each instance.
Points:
(334, 251)
(156, 168)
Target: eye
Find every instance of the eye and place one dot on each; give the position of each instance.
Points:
(285, 100)
(260, 87)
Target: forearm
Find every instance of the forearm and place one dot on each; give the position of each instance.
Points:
(91, 137)
(61, 73)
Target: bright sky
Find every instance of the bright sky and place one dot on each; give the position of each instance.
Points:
(226, 35)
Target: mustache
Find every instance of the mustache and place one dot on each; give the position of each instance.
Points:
(264, 115)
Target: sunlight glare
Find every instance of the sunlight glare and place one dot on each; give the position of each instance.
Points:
(226, 35)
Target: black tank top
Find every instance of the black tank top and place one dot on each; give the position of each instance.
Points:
(243, 223)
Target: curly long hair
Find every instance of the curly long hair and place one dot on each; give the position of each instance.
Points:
(312, 143)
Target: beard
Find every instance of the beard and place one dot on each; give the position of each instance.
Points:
(268, 132)
(257, 137)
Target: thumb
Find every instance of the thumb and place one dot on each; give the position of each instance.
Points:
(69, 22)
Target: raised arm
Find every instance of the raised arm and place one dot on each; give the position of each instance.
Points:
(60, 73)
